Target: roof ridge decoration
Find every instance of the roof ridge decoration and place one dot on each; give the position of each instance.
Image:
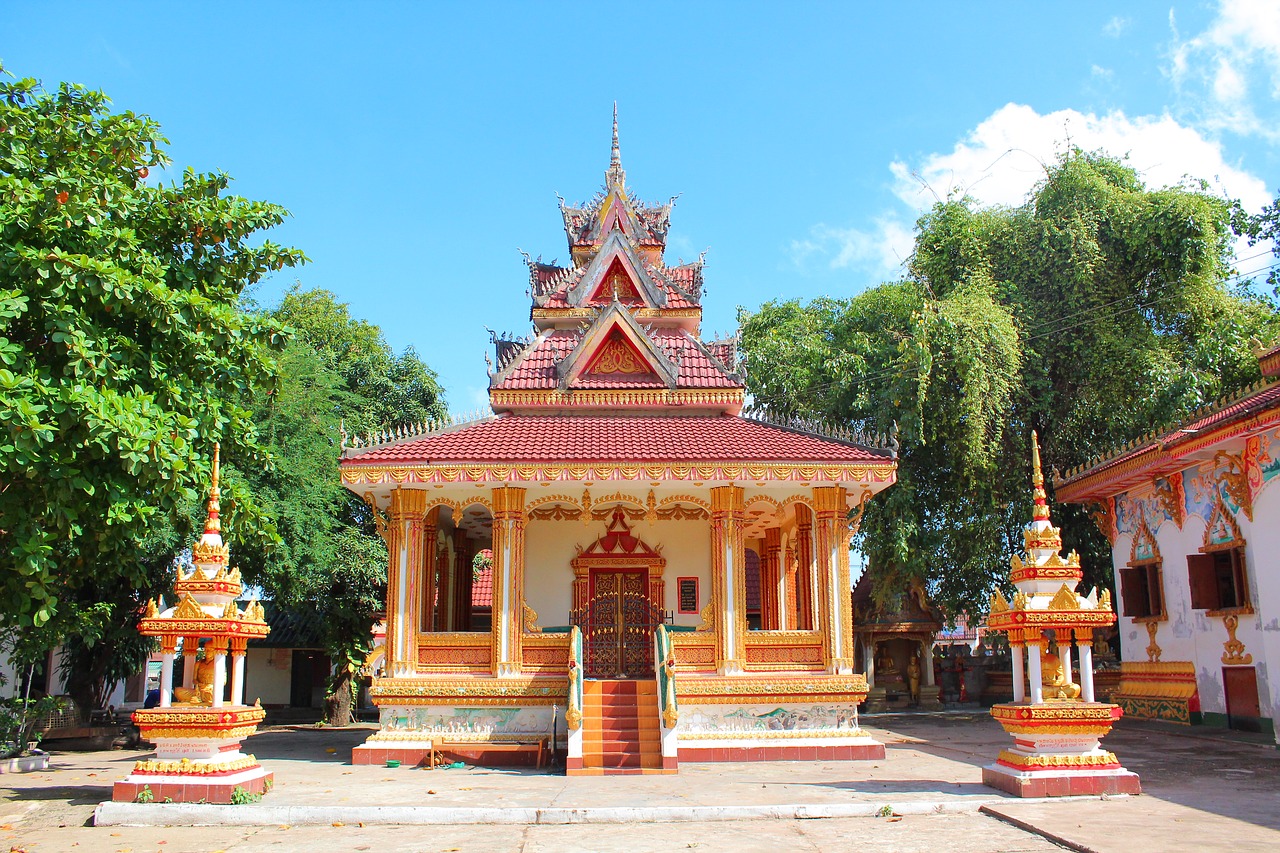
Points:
(597, 334)
(354, 445)
(823, 429)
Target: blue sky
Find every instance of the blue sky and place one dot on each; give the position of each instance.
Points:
(419, 145)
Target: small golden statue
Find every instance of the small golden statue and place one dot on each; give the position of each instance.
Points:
(1055, 682)
(201, 693)
(913, 678)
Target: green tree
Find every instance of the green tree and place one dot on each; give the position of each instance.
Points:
(1091, 313)
(123, 354)
(330, 564)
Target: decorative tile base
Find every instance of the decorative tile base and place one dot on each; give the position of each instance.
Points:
(848, 752)
(190, 789)
(1050, 784)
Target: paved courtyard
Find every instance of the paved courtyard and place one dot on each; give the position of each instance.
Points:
(1203, 789)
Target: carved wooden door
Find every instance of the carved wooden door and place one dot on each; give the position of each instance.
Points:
(617, 625)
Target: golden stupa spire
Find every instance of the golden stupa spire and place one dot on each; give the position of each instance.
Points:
(1041, 510)
(212, 524)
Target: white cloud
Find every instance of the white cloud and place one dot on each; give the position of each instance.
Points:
(1217, 71)
(1001, 160)
(883, 249)
(1103, 73)
(1115, 27)
(1006, 154)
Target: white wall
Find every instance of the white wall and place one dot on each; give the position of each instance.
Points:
(1191, 635)
(550, 547)
(267, 675)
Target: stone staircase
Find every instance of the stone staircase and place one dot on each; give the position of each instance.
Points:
(620, 727)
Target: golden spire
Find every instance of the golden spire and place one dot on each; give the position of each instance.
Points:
(1041, 510)
(615, 176)
(212, 523)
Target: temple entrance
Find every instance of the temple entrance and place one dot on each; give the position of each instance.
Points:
(617, 625)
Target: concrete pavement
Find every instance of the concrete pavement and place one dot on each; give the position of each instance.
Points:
(1202, 790)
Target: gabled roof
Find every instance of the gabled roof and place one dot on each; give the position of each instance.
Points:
(615, 334)
(615, 252)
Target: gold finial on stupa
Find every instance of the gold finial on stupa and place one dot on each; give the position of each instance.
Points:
(1041, 510)
(212, 524)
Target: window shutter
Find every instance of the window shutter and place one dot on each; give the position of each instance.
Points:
(1204, 582)
(1132, 595)
(1155, 589)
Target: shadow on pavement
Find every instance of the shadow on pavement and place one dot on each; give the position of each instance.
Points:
(76, 795)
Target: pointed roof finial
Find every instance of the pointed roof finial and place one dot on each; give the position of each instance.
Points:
(1041, 510)
(212, 524)
(615, 175)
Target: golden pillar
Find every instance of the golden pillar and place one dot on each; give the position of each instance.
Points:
(804, 569)
(790, 568)
(831, 557)
(729, 578)
(508, 580)
(772, 601)
(427, 571)
(405, 523)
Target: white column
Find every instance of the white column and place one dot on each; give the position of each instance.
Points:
(237, 679)
(1086, 670)
(166, 680)
(1033, 674)
(219, 676)
(1019, 689)
(1064, 654)
(926, 663)
(189, 664)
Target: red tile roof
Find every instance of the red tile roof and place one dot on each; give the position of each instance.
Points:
(482, 588)
(537, 370)
(649, 438)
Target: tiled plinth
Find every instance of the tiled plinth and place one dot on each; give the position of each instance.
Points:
(192, 789)
(1049, 784)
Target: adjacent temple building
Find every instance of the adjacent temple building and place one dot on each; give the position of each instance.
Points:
(670, 577)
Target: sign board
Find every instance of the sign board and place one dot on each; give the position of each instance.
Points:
(688, 595)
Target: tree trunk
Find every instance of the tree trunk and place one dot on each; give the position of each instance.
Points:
(337, 705)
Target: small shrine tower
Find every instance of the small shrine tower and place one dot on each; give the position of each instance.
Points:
(1056, 730)
(196, 729)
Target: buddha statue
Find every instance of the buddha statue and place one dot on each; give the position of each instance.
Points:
(201, 693)
(1055, 682)
(886, 666)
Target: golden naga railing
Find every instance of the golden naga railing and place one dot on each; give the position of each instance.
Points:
(664, 654)
(573, 712)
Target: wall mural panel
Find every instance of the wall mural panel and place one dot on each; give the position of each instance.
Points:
(480, 723)
(766, 720)
(1201, 492)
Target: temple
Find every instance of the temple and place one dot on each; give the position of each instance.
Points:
(670, 577)
(1194, 532)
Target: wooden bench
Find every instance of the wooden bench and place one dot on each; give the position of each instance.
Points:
(541, 747)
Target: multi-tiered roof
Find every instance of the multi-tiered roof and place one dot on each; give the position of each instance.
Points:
(614, 366)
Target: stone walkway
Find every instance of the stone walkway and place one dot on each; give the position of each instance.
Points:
(1201, 788)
